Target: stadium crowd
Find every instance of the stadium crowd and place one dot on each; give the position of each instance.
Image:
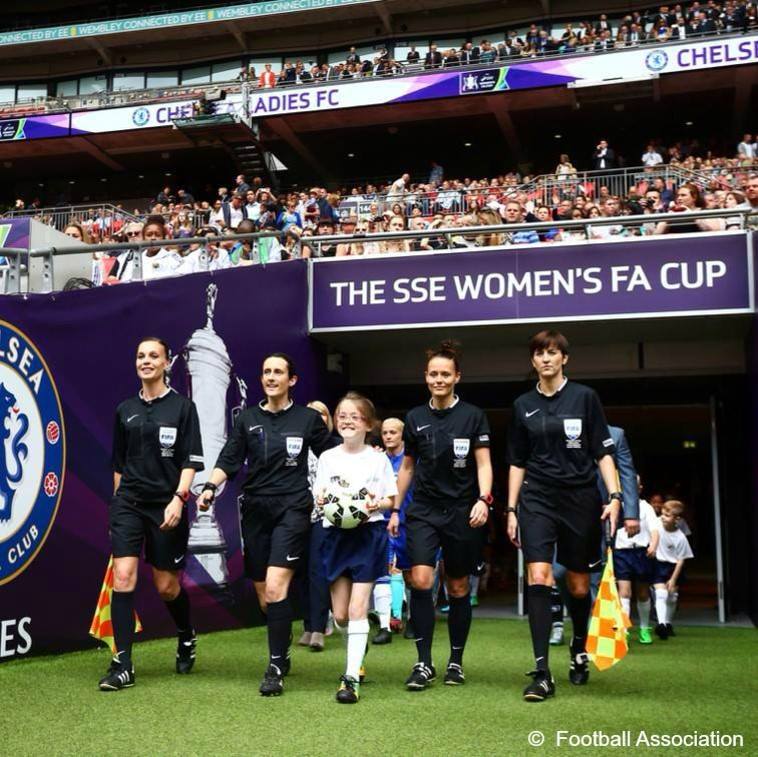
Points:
(297, 219)
(669, 22)
(605, 33)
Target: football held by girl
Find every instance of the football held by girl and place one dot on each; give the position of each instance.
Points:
(354, 482)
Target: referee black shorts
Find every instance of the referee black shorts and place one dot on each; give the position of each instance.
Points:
(563, 517)
(275, 532)
(444, 525)
(136, 524)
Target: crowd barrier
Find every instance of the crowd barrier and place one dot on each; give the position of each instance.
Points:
(463, 237)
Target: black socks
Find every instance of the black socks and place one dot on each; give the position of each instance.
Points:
(539, 622)
(179, 607)
(422, 612)
(279, 619)
(122, 618)
(579, 608)
(458, 625)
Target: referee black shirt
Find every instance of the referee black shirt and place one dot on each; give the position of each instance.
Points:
(559, 438)
(276, 448)
(153, 441)
(442, 444)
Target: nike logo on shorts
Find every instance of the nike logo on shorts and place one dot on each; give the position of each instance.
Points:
(292, 559)
(595, 564)
(529, 415)
(421, 428)
(252, 428)
(177, 560)
(132, 417)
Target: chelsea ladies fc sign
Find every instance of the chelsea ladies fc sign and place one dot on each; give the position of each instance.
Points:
(32, 451)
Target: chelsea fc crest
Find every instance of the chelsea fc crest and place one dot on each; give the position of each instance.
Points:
(32, 451)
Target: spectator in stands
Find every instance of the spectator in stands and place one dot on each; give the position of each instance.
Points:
(232, 212)
(603, 157)
(689, 199)
(352, 57)
(603, 42)
(747, 150)
(396, 224)
(326, 228)
(398, 187)
(157, 261)
(487, 52)
(267, 79)
(165, 196)
(433, 58)
(242, 186)
(636, 34)
(469, 54)
(514, 213)
(565, 169)
(508, 48)
(546, 235)
(184, 197)
(217, 257)
(603, 24)
(289, 217)
(413, 57)
(651, 157)
(437, 174)
(751, 194)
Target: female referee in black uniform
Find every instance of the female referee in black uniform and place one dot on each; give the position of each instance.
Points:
(447, 456)
(559, 439)
(274, 437)
(156, 451)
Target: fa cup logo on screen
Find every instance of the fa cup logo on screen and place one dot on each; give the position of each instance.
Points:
(32, 451)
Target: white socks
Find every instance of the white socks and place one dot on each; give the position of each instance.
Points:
(383, 603)
(661, 605)
(357, 638)
(643, 608)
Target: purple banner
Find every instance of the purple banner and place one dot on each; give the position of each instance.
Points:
(66, 361)
(15, 232)
(647, 277)
(35, 127)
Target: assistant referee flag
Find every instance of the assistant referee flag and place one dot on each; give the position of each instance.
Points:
(606, 639)
(102, 627)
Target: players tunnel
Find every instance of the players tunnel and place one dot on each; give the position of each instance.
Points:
(678, 384)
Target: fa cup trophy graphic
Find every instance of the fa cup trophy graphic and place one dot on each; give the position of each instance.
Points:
(210, 373)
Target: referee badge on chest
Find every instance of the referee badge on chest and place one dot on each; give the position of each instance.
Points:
(461, 448)
(167, 439)
(573, 429)
(294, 448)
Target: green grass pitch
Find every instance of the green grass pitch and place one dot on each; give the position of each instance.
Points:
(702, 680)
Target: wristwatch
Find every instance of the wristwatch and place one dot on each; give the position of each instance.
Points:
(615, 495)
(511, 510)
(488, 499)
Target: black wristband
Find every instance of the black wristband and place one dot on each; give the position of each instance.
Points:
(183, 496)
(210, 487)
(616, 495)
(511, 510)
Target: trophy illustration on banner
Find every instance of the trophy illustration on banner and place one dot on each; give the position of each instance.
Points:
(210, 373)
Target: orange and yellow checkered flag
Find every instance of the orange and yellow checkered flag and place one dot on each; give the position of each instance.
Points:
(606, 639)
(101, 627)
